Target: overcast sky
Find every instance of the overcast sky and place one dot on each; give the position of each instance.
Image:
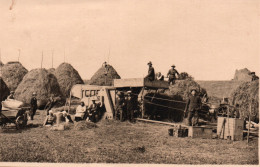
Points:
(209, 39)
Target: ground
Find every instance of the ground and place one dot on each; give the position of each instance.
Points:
(116, 142)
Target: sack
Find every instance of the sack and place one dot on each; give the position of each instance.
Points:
(11, 103)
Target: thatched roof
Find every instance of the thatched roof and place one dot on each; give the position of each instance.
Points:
(183, 87)
(4, 90)
(243, 95)
(13, 73)
(40, 81)
(67, 77)
(99, 78)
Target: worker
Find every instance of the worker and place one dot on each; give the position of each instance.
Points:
(193, 106)
(120, 105)
(160, 77)
(11, 96)
(67, 117)
(80, 111)
(33, 105)
(172, 75)
(50, 104)
(50, 119)
(130, 106)
(93, 111)
(254, 77)
(151, 73)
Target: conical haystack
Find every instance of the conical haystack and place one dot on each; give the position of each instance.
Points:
(40, 81)
(67, 77)
(104, 76)
(51, 70)
(13, 73)
(245, 94)
(182, 88)
(4, 90)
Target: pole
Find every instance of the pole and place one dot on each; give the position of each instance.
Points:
(42, 59)
(64, 55)
(52, 59)
(249, 123)
(19, 50)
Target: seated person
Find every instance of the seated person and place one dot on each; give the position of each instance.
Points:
(50, 119)
(80, 111)
(67, 117)
(11, 96)
(93, 113)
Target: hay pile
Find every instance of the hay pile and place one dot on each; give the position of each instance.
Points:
(67, 77)
(242, 96)
(182, 88)
(51, 70)
(1, 63)
(41, 82)
(4, 90)
(13, 73)
(242, 75)
(84, 125)
(99, 78)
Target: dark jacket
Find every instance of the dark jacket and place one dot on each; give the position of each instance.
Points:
(130, 104)
(193, 103)
(34, 103)
(172, 73)
(151, 74)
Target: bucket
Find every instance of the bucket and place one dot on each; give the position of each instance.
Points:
(170, 132)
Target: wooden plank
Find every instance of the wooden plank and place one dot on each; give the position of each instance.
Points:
(161, 122)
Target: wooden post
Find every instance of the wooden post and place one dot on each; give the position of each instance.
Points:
(42, 59)
(249, 123)
(19, 54)
(52, 59)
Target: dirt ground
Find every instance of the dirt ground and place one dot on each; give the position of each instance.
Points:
(118, 142)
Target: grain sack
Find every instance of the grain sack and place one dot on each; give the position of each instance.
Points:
(41, 82)
(12, 74)
(67, 76)
(99, 78)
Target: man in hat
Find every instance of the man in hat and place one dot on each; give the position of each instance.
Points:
(93, 111)
(254, 77)
(151, 73)
(11, 96)
(33, 105)
(120, 105)
(130, 106)
(172, 75)
(193, 105)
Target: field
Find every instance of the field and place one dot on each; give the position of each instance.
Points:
(118, 142)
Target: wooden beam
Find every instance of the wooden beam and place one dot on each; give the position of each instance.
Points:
(161, 122)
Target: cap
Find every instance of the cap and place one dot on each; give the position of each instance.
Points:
(149, 63)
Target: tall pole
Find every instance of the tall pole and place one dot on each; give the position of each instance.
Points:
(249, 121)
(19, 50)
(52, 59)
(42, 59)
(64, 55)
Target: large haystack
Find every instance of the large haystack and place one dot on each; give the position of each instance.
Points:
(182, 88)
(4, 90)
(242, 75)
(243, 95)
(67, 77)
(13, 73)
(51, 70)
(40, 81)
(100, 77)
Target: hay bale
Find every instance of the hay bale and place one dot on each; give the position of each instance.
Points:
(67, 77)
(182, 88)
(99, 78)
(41, 82)
(13, 73)
(243, 95)
(4, 90)
(242, 75)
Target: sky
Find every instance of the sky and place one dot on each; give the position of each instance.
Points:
(209, 39)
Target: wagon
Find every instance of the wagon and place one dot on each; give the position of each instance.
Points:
(16, 116)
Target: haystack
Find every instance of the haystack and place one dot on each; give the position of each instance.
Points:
(182, 88)
(104, 76)
(51, 70)
(4, 90)
(40, 81)
(67, 77)
(243, 95)
(13, 73)
(1, 63)
(242, 75)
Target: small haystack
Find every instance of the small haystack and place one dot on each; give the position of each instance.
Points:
(13, 73)
(182, 88)
(104, 76)
(40, 81)
(4, 90)
(67, 77)
(243, 95)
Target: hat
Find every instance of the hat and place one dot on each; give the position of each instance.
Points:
(193, 90)
(149, 63)
(173, 65)
(50, 112)
(252, 72)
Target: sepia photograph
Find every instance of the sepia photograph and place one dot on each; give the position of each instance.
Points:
(129, 82)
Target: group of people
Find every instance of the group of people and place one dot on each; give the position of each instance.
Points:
(126, 106)
(172, 74)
